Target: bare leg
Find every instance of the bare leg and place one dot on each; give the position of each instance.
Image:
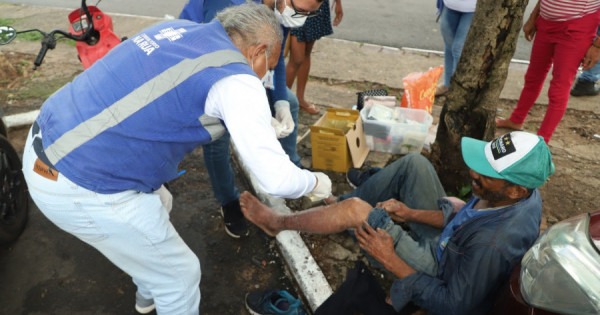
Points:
(297, 50)
(328, 219)
(303, 72)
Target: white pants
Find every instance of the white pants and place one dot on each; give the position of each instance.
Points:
(130, 228)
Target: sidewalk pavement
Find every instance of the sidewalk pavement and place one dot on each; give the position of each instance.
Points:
(340, 62)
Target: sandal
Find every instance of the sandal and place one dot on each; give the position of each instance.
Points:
(311, 109)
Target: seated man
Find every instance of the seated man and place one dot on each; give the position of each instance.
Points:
(455, 255)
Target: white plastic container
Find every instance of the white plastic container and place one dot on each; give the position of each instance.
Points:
(406, 134)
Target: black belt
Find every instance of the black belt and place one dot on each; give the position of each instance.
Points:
(38, 147)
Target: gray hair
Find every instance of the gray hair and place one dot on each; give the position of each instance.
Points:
(251, 24)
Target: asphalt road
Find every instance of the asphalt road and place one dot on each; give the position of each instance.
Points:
(405, 23)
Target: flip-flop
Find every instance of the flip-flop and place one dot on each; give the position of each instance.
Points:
(311, 109)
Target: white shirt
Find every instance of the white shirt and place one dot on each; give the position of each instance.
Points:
(465, 6)
(240, 101)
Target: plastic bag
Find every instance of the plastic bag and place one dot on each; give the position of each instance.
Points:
(419, 89)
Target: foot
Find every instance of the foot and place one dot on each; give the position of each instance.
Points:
(259, 214)
(507, 123)
(585, 88)
(441, 90)
(143, 305)
(309, 108)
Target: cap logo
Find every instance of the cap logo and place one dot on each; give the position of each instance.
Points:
(502, 146)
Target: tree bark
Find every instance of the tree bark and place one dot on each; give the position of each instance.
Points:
(471, 101)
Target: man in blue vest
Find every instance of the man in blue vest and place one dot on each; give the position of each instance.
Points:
(283, 104)
(103, 145)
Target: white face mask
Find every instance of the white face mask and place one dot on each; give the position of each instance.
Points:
(268, 80)
(286, 18)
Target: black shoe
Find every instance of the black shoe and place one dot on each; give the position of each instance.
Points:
(235, 224)
(357, 176)
(585, 88)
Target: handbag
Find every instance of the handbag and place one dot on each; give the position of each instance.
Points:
(360, 102)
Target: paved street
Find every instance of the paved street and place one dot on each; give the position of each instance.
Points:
(406, 23)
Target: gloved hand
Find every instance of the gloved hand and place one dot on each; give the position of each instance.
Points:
(284, 116)
(323, 188)
(278, 128)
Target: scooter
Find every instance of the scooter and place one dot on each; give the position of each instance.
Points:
(559, 274)
(93, 39)
(93, 32)
(14, 203)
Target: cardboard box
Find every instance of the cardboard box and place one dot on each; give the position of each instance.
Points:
(338, 141)
(405, 134)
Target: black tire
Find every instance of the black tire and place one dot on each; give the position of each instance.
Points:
(14, 201)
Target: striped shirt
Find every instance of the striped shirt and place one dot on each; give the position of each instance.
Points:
(565, 10)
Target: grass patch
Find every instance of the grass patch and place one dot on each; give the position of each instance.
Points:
(7, 22)
(31, 36)
(39, 90)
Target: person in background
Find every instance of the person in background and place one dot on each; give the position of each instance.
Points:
(564, 34)
(455, 21)
(585, 85)
(302, 40)
(283, 104)
(449, 257)
(95, 166)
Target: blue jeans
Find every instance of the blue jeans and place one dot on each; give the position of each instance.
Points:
(592, 74)
(454, 26)
(413, 181)
(216, 158)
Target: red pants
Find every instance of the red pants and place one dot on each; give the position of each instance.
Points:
(562, 45)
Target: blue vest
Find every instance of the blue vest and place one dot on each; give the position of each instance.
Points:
(128, 121)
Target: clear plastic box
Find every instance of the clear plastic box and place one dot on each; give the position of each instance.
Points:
(403, 135)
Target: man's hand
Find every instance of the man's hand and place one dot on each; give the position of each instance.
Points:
(284, 117)
(323, 188)
(378, 244)
(278, 128)
(397, 210)
(591, 57)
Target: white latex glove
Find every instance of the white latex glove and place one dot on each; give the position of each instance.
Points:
(323, 188)
(278, 128)
(284, 116)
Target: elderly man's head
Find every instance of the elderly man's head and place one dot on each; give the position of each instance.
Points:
(256, 32)
(508, 167)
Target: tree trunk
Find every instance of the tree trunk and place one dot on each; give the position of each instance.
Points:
(470, 107)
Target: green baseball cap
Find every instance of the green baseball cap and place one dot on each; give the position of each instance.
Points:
(519, 157)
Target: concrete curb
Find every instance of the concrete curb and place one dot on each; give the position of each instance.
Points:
(300, 262)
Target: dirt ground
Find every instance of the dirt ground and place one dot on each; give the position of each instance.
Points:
(572, 190)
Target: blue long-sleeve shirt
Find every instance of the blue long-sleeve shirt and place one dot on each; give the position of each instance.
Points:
(478, 259)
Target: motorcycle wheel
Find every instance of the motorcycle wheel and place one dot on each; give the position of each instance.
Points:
(14, 202)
